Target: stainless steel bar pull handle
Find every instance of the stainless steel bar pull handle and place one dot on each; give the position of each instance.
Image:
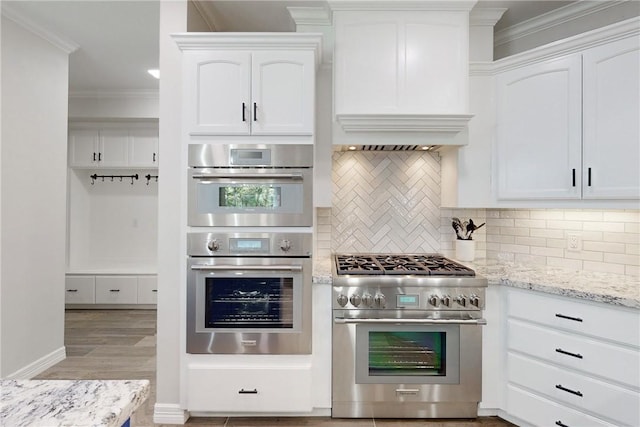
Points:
(413, 321)
(206, 267)
(204, 176)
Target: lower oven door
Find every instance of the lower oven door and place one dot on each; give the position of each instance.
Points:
(250, 306)
(407, 369)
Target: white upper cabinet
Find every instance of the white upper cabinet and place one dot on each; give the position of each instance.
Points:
(143, 147)
(401, 62)
(539, 130)
(249, 84)
(568, 128)
(611, 140)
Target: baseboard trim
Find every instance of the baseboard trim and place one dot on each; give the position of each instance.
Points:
(169, 413)
(40, 365)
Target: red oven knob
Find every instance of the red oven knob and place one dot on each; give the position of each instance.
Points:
(342, 300)
(213, 245)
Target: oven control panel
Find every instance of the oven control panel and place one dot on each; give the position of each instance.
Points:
(454, 299)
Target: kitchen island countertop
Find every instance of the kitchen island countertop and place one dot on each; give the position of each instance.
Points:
(104, 403)
(605, 288)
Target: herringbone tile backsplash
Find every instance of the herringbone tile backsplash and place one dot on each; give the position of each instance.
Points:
(386, 202)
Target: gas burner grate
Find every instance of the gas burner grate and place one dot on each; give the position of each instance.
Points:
(385, 264)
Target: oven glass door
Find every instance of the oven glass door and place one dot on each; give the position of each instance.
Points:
(407, 354)
(240, 198)
(245, 300)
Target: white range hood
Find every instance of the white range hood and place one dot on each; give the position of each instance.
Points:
(401, 72)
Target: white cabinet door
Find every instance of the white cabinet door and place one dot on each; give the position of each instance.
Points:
(116, 289)
(143, 147)
(612, 121)
(113, 147)
(218, 93)
(79, 290)
(83, 147)
(282, 93)
(539, 134)
(147, 290)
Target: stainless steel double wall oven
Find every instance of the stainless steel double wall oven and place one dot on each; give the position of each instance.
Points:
(249, 283)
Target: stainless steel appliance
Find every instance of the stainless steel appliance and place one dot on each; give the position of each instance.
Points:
(250, 185)
(249, 293)
(407, 337)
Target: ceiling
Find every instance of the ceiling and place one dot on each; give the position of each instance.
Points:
(118, 40)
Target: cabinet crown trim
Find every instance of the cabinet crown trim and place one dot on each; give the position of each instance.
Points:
(432, 123)
(387, 5)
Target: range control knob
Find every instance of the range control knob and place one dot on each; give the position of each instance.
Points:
(474, 300)
(462, 300)
(446, 300)
(367, 300)
(342, 300)
(380, 300)
(434, 300)
(213, 245)
(285, 245)
(355, 300)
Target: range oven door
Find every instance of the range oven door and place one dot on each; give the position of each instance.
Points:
(249, 305)
(406, 368)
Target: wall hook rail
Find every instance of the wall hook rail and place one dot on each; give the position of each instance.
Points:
(95, 177)
(149, 177)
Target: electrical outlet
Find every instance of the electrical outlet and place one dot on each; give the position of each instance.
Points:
(574, 242)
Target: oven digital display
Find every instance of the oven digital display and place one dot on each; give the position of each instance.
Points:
(248, 245)
(407, 301)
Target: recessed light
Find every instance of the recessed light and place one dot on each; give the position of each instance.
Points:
(425, 147)
(154, 72)
(352, 147)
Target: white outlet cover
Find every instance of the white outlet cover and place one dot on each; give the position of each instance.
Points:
(574, 242)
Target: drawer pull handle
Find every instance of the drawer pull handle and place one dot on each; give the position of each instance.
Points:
(568, 390)
(154, 290)
(114, 290)
(568, 353)
(562, 316)
(407, 391)
(243, 391)
(561, 424)
(72, 290)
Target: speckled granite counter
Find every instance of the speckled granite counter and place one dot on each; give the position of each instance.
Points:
(107, 403)
(598, 287)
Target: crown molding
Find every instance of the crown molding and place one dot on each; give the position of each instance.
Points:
(320, 16)
(66, 45)
(207, 14)
(554, 18)
(132, 94)
(387, 5)
(486, 16)
(401, 123)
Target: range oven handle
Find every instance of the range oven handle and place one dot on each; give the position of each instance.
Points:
(205, 176)
(342, 320)
(206, 267)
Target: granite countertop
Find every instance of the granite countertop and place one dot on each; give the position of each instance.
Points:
(107, 403)
(592, 286)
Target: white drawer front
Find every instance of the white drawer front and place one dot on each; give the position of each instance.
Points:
(585, 354)
(147, 290)
(563, 313)
(250, 390)
(593, 396)
(116, 290)
(79, 290)
(545, 413)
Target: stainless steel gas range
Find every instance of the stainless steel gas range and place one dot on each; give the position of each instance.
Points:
(407, 337)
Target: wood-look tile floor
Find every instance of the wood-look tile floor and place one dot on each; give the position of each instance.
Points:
(121, 344)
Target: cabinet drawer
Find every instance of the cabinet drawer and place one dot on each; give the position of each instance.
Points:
(593, 396)
(116, 290)
(147, 290)
(592, 357)
(595, 320)
(79, 290)
(250, 390)
(542, 412)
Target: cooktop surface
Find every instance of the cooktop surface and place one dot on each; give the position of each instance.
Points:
(414, 264)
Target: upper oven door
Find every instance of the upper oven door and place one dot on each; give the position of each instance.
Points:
(250, 197)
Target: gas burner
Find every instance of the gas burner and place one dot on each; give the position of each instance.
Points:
(383, 264)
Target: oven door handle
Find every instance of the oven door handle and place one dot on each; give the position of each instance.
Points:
(206, 176)
(342, 320)
(206, 267)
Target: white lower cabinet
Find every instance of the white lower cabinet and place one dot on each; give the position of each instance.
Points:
(571, 363)
(250, 389)
(113, 290)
